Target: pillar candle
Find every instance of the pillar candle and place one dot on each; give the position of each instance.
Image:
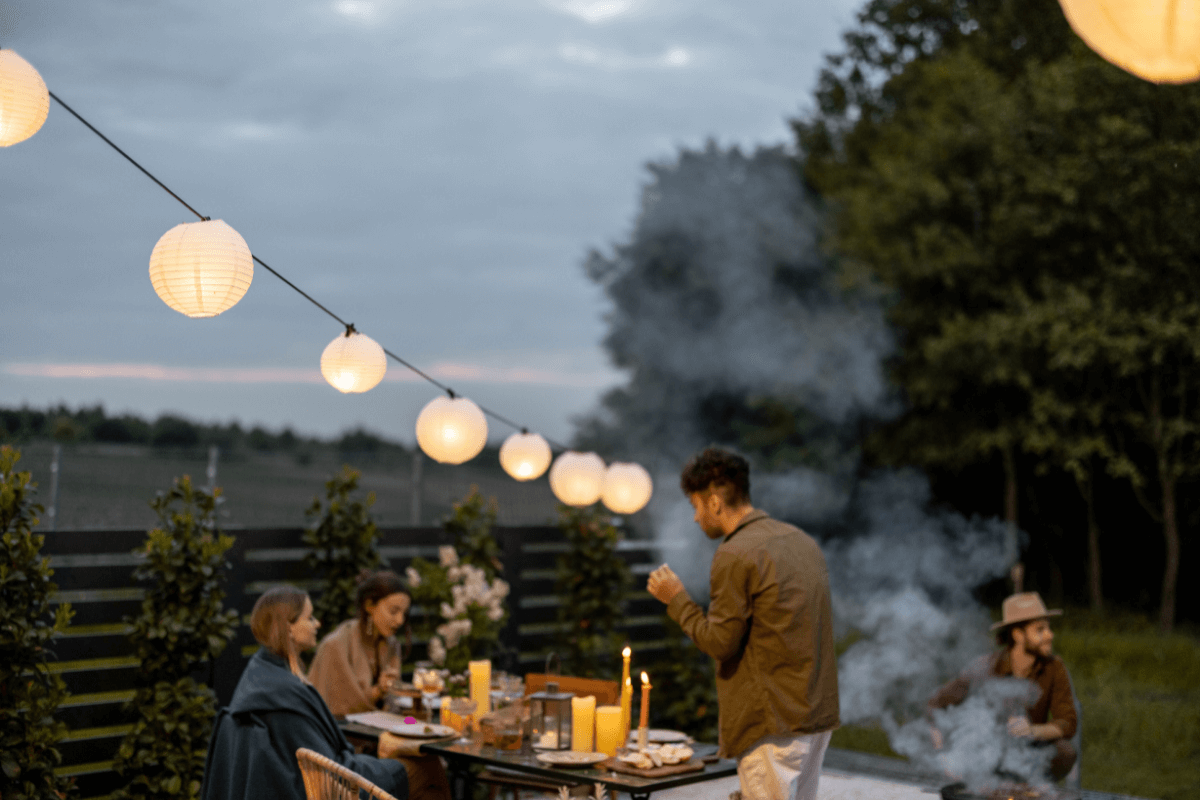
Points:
(626, 705)
(610, 729)
(583, 723)
(644, 719)
(481, 687)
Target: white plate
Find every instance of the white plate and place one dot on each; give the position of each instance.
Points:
(570, 758)
(394, 723)
(660, 736)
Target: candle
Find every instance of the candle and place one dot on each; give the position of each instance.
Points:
(610, 729)
(644, 720)
(626, 704)
(583, 723)
(481, 687)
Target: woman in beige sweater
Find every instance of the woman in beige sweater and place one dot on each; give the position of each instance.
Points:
(358, 661)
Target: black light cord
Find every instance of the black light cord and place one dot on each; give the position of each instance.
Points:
(349, 327)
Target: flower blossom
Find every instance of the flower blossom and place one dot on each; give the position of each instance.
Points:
(437, 651)
(447, 556)
(414, 578)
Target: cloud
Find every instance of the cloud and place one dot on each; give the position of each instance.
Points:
(589, 55)
(593, 11)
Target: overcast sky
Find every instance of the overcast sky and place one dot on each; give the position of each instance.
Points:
(432, 170)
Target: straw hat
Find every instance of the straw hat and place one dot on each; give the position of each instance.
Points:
(1024, 607)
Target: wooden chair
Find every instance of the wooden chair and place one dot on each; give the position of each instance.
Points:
(325, 779)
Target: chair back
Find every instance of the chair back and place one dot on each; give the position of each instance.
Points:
(325, 779)
(607, 693)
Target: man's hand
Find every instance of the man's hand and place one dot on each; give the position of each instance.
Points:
(664, 584)
(1020, 727)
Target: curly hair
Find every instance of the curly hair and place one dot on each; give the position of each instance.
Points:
(719, 470)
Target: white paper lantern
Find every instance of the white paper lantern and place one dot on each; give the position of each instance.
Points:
(353, 363)
(525, 456)
(451, 430)
(201, 268)
(1158, 40)
(627, 488)
(24, 99)
(577, 479)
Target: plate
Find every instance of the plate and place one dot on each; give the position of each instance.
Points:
(661, 736)
(394, 723)
(570, 758)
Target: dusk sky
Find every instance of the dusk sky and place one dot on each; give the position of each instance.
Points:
(434, 172)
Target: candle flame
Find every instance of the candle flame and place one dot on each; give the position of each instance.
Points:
(645, 679)
(629, 681)
(626, 652)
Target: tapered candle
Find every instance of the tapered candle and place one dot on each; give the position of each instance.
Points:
(610, 729)
(583, 723)
(626, 705)
(644, 719)
(481, 687)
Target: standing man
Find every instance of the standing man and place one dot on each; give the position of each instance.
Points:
(770, 628)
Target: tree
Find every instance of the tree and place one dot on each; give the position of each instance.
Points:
(182, 626)
(29, 692)
(344, 541)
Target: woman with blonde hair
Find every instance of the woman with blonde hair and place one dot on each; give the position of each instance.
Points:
(275, 711)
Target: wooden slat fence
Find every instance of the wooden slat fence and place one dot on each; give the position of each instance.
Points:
(93, 570)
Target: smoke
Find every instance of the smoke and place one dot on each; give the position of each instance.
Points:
(733, 329)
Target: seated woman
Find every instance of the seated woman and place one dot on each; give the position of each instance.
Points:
(357, 663)
(275, 711)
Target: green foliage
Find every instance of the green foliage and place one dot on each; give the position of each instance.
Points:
(344, 541)
(592, 583)
(470, 523)
(29, 692)
(685, 683)
(183, 624)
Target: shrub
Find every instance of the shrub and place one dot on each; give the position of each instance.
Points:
(592, 584)
(29, 692)
(344, 541)
(686, 684)
(183, 624)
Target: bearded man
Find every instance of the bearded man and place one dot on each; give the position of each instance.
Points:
(1027, 652)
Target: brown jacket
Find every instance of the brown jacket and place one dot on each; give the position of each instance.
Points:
(1055, 701)
(770, 627)
(346, 669)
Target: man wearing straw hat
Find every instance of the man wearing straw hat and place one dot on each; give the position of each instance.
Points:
(1026, 638)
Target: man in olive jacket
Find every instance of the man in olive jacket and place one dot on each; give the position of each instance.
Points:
(770, 628)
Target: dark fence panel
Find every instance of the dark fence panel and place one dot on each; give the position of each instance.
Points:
(94, 572)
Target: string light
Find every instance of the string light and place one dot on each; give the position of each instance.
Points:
(577, 479)
(451, 430)
(24, 99)
(627, 488)
(201, 268)
(525, 456)
(353, 362)
(1158, 41)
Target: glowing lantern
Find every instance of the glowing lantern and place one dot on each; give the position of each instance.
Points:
(577, 479)
(1158, 40)
(451, 430)
(525, 456)
(353, 362)
(24, 99)
(201, 268)
(627, 488)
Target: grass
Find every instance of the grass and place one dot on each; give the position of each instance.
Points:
(1140, 693)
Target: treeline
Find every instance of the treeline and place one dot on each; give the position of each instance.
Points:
(169, 431)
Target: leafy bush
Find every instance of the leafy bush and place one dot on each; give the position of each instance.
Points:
(344, 541)
(29, 692)
(471, 526)
(685, 681)
(183, 624)
(592, 584)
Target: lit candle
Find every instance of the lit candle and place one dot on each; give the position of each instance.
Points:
(626, 705)
(583, 723)
(481, 687)
(644, 719)
(610, 729)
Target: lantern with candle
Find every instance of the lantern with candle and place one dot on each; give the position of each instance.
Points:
(525, 456)
(550, 718)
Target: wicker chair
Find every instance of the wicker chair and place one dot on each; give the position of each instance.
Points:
(325, 779)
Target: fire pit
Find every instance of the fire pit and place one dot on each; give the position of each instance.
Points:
(1007, 791)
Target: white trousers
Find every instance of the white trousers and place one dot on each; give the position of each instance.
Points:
(783, 767)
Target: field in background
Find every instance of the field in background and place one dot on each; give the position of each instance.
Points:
(109, 485)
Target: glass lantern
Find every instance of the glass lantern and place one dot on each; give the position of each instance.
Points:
(550, 718)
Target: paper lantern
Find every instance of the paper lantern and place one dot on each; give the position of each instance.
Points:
(627, 488)
(353, 362)
(577, 479)
(24, 99)
(451, 430)
(525, 456)
(201, 268)
(1158, 40)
